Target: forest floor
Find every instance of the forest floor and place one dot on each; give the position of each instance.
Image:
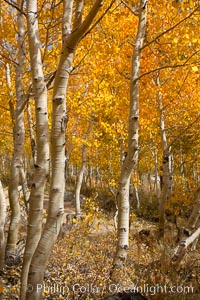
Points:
(80, 264)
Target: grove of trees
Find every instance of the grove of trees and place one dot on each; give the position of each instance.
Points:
(99, 100)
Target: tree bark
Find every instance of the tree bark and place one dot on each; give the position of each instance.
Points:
(132, 155)
(53, 224)
(26, 192)
(19, 136)
(82, 170)
(70, 149)
(2, 224)
(10, 93)
(32, 135)
(41, 167)
(166, 187)
(190, 232)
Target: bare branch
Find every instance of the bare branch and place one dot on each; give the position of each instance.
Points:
(134, 11)
(6, 133)
(122, 74)
(56, 5)
(8, 58)
(15, 6)
(185, 64)
(99, 19)
(5, 108)
(171, 28)
(81, 60)
(183, 131)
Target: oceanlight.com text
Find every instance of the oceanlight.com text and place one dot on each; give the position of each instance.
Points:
(153, 289)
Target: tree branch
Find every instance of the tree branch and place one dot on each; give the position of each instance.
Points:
(171, 28)
(134, 11)
(67, 18)
(78, 14)
(15, 6)
(183, 131)
(9, 59)
(79, 31)
(99, 19)
(185, 64)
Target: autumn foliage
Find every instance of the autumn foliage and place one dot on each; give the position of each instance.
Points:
(98, 93)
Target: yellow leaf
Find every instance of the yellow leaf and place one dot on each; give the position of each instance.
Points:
(175, 40)
(194, 40)
(195, 69)
(176, 4)
(186, 36)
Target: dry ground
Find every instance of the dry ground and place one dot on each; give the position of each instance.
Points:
(80, 264)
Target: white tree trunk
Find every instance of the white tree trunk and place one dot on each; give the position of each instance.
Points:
(166, 176)
(190, 232)
(132, 155)
(157, 179)
(19, 136)
(53, 224)
(9, 85)
(137, 198)
(82, 170)
(26, 192)
(70, 149)
(2, 224)
(32, 135)
(42, 164)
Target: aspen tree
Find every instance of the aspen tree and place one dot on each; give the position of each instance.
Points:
(132, 156)
(19, 136)
(82, 169)
(2, 224)
(191, 231)
(166, 186)
(41, 167)
(71, 36)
